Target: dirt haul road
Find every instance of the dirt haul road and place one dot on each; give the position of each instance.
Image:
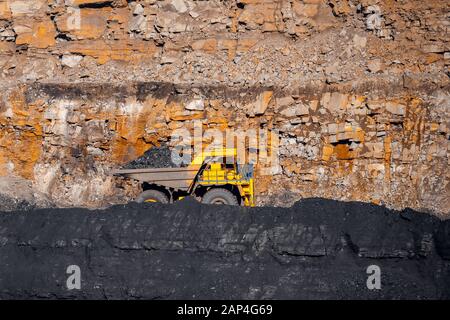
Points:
(316, 249)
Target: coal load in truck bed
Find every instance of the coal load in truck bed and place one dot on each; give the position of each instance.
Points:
(155, 157)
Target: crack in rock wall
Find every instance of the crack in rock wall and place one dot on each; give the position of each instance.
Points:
(318, 249)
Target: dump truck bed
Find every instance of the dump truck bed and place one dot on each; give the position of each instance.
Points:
(177, 178)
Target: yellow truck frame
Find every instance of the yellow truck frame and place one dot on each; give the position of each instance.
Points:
(214, 176)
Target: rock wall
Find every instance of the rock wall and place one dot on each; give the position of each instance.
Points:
(318, 249)
(357, 90)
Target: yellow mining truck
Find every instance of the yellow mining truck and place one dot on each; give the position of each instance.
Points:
(214, 177)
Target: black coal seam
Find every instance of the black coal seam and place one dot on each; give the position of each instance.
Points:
(98, 90)
(124, 223)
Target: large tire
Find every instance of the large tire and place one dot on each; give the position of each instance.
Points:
(152, 196)
(220, 196)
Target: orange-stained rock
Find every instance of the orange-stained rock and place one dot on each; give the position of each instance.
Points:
(340, 7)
(250, 15)
(359, 135)
(92, 23)
(129, 142)
(206, 45)
(432, 58)
(187, 115)
(305, 9)
(7, 47)
(343, 152)
(5, 12)
(324, 18)
(376, 169)
(217, 120)
(327, 152)
(263, 102)
(104, 51)
(120, 15)
(21, 149)
(245, 44)
(233, 46)
(264, 183)
(36, 34)
(21, 8)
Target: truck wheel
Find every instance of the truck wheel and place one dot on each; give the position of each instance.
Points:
(152, 196)
(220, 196)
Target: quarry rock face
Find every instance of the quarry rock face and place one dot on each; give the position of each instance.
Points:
(357, 91)
(318, 249)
